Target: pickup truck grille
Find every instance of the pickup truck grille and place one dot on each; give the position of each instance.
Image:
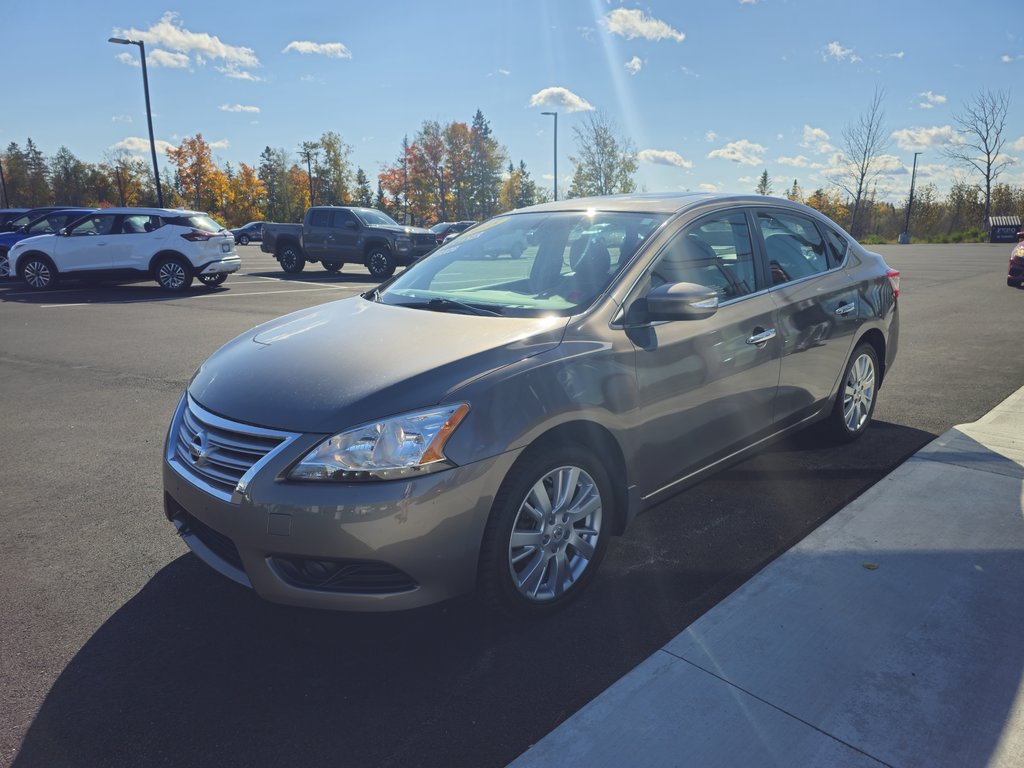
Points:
(218, 455)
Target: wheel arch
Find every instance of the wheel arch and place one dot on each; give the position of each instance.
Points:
(286, 241)
(161, 255)
(23, 258)
(377, 241)
(598, 439)
(874, 337)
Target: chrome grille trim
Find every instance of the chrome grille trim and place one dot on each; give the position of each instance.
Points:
(232, 453)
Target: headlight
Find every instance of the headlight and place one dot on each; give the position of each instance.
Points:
(405, 445)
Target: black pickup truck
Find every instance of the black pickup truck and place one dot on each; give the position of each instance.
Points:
(337, 235)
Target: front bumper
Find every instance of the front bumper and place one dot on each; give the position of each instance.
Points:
(403, 543)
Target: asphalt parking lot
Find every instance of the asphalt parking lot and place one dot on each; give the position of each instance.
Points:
(117, 647)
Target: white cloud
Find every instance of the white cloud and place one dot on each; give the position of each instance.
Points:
(664, 157)
(221, 144)
(1007, 59)
(796, 162)
(330, 50)
(709, 187)
(919, 139)
(895, 55)
(748, 2)
(931, 99)
(127, 58)
(710, 136)
(140, 146)
(817, 140)
(162, 58)
(238, 74)
(634, 65)
(835, 50)
(743, 152)
(505, 72)
(557, 96)
(632, 24)
(121, 119)
(168, 33)
(238, 108)
(1018, 145)
(688, 72)
(890, 165)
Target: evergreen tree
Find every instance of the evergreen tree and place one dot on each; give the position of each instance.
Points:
(764, 186)
(363, 196)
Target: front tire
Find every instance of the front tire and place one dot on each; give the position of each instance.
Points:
(174, 274)
(38, 273)
(547, 533)
(858, 392)
(380, 262)
(212, 281)
(291, 258)
(332, 266)
(243, 240)
(1009, 281)
(5, 264)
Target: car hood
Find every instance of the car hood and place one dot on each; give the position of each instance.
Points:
(399, 229)
(27, 241)
(337, 365)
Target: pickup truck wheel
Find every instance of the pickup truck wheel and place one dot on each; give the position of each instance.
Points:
(174, 274)
(291, 258)
(380, 263)
(332, 266)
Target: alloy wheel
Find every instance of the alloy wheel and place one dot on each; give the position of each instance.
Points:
(171, 275)
(859, 392)
(555, 533)
(38, 274)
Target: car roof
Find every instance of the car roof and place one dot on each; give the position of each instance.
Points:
(664, 202)
(155, 211)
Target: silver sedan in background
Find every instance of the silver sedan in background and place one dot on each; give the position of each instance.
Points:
(489, 423)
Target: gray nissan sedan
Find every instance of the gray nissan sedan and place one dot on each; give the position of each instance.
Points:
(488, 423)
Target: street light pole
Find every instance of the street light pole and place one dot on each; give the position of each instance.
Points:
(905, 237)
(555, 115)
(149, 112)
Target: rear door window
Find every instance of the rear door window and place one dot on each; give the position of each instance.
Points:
(794, 247)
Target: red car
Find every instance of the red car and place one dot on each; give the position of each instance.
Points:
(1015, 276)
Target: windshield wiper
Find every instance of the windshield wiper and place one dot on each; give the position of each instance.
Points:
(439, 304)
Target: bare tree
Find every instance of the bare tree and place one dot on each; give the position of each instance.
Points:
(981, 124)
(863, 143)
(606, 163)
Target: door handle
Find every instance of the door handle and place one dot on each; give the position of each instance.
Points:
(846, 309)
(762, 336)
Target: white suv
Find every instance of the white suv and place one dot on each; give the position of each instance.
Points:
(170, 246)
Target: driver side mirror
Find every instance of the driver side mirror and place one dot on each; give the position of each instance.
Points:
(681, 301)
(63, 231)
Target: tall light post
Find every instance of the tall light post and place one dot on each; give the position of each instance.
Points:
(905, 237)
(555, 115)
(149, 112)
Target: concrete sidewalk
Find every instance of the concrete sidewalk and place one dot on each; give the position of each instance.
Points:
(892, 635)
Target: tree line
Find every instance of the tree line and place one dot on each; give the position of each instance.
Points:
(460, 171)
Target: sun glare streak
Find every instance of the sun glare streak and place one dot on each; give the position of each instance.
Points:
(614, 59)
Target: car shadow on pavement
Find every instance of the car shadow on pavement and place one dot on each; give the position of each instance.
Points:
(195, 670)
(103, 293)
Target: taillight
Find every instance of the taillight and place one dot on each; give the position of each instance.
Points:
(200, 236)
(894, 278)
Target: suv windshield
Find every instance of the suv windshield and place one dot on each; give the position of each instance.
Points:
(526, 264)
(374, 218)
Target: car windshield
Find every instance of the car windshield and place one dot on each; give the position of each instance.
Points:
(374, 218)
(526, 264)
(437, 228)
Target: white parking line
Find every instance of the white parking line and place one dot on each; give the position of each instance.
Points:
(198, 296)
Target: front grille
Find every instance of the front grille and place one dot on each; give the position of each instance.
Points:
(362, 577)
(216, 542)
(217, 454)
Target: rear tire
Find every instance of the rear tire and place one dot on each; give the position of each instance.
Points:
(548, 531)
(332, 266)
(5, 264)
(291, 258)
(858, 392)
(174, 274)
(212, 281)
(243, 240)
(38, 273)
(380, 262)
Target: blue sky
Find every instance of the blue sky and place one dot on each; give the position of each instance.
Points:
(711, 93)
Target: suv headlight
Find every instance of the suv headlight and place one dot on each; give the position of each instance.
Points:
(401, 446)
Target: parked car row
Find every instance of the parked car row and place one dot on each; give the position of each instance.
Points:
(174, 247)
